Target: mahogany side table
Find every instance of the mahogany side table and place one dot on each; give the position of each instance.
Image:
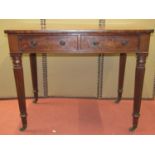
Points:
(79, 42)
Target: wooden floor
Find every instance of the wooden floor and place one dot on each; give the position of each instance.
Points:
(76, 116)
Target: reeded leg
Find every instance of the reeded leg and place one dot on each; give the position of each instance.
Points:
(122, 63)
(139, 78)
(33, 64)
(19, 79)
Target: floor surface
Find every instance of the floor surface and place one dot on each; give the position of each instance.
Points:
(63, 116)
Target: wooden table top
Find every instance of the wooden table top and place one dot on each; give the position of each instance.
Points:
(79, 31)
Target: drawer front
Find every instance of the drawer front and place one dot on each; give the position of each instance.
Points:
(109, 43)
(47, 43)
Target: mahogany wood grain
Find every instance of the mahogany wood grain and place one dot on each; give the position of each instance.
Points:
(109, 43)
(32, 43)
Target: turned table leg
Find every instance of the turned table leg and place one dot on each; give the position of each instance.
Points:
(33, 64)
(139, 78)
(19, 79)
(122, 63)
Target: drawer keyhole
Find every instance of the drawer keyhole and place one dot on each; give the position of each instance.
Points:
(62, 42)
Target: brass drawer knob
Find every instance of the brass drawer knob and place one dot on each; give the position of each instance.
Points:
(33, 43)
(62, 42)
(95, 43)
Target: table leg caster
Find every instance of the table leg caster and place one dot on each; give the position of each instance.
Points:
(35, 101)
(117, 100)
(133, 128)
(23, 128)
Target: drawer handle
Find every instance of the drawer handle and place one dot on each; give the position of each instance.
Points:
(62, 43)
(95, 43)
(124, 42)
(33, 43)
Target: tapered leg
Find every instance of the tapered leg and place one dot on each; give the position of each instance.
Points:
(122, 63)
(19, 79)
(139, 78)
(33, 64)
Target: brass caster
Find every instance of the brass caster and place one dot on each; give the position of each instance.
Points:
(35, 101)
(23, 128)
(117, 100)
(133, 128)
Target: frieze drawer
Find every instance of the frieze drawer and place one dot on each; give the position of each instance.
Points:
(47, 43)
(109, 43)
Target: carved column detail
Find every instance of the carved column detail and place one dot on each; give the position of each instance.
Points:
(141, 60)
(16, 60)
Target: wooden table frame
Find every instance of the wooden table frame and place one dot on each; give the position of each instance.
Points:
(79, 42)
